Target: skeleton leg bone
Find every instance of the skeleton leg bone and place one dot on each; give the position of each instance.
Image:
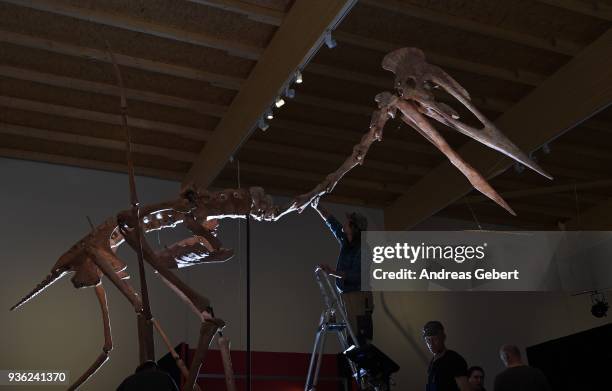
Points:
(228, 370)
(179, 362)
(101, 259)
(108, 341)
(196, 302)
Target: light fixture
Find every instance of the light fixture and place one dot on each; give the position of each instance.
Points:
(279, 102)
(330, 42)
(298, 77)
(262, 124)
(546, 148)
(289, 93)
(269, 114)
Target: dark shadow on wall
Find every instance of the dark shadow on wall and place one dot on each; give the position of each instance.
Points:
(415, 345)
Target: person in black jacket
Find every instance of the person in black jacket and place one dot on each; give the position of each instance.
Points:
(359, 303)
(517, 375)
(476, 377)
(148, 377)
(448, 369)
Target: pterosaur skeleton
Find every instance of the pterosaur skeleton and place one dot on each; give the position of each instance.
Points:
(95, 254)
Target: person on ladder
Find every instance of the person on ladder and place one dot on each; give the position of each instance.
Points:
(359, 304)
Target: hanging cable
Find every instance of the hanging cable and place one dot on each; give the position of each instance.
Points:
(577, 206)
(473, 214)
(240, 290)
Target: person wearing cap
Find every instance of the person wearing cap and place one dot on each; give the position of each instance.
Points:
(448, 369)
(359, 304)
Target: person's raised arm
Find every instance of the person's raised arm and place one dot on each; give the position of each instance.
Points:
(333, 224)
(320, 210)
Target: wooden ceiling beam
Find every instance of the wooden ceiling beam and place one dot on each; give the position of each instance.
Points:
(553, 45)
(545, 210)
(385, 84)
(96, 142)
(203, 135)
(545, 190)
(89, 164)
(572, 149)
(595, 9)
(596, 218)
(495, 105)
(595, 124)
(141, 26)
(318, 177)
(222, 81)
(293, 44)
(180, 155)
(107, 118)
(519, 222)
(324, 132)
(89, 54)
(112, 90)
(517, 76)
(573, 173)
(579, 89)
(254, 12)
(273, 148)
(289, 192)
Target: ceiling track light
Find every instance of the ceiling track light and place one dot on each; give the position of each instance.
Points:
(289, 92)
(330, 41)
(298, 77)
(279, 102)
(269, 114)
(546, 148)
(262, 124)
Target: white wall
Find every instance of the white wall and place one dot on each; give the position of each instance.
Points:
(44, 213)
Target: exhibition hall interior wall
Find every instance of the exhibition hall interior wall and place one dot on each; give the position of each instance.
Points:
(45, 209)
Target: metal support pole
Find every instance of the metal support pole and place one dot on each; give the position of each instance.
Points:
(248, 304)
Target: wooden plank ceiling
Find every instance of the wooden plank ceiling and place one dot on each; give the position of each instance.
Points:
(184, 63)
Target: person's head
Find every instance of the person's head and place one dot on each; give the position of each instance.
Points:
(476, 377)
(434, 336)
(510, 355)
(148, 365)
(354, 225)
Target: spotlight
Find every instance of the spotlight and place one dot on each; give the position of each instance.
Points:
(600, 306)
(279, 102)
(298, 77)
(269, 114)
(546, 148)
(330, 42)
(262, 124)
(289, 93)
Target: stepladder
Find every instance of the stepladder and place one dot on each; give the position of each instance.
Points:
(334, 319)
